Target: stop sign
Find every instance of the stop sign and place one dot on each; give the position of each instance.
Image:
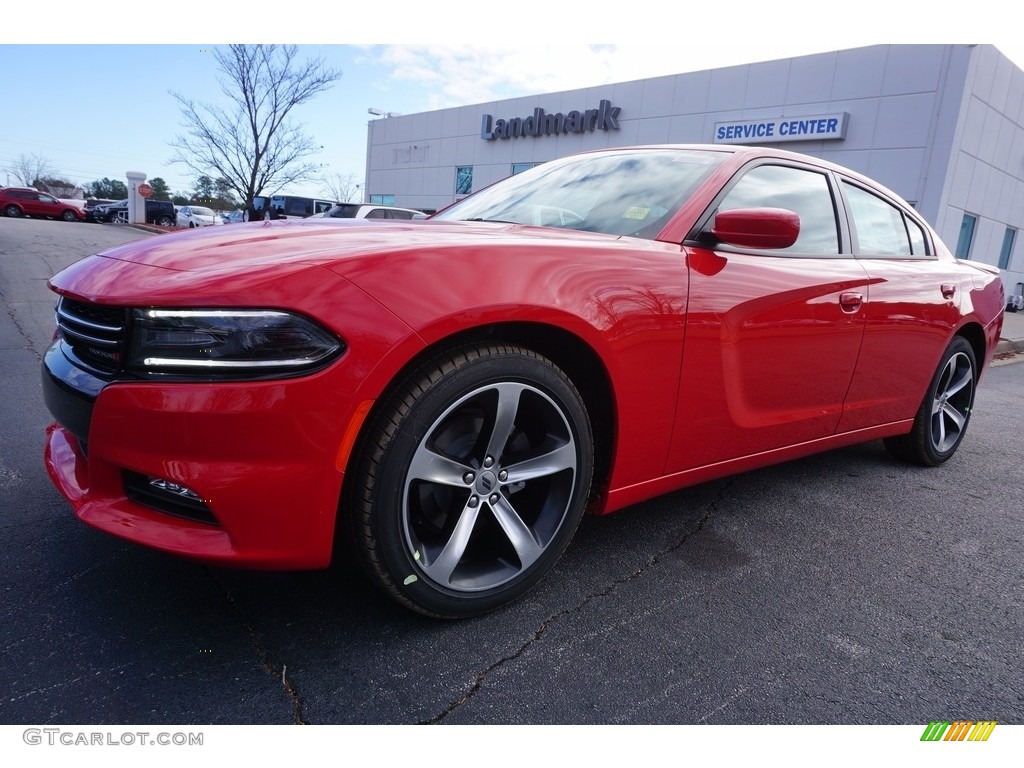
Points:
(145, 190)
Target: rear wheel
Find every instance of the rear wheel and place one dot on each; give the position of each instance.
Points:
(472, 480)
(164, 221)
(13, 211)
(941, 421)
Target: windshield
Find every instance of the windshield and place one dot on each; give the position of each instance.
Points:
(202, 212)
(629, 192)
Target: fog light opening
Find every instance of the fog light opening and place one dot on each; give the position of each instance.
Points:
(168, 496)
(175, 488)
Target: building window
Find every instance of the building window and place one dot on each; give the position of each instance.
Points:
(520, 167)
(1007, 250)
(382, 199)
(963, 244)
(464, 180)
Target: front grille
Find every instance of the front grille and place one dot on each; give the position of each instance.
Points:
(95, 333)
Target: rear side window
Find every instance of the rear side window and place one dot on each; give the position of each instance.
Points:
(807, 193)
(882, 229)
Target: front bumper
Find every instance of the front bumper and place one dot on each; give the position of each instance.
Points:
(260, 456)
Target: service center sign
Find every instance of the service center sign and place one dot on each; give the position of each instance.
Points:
(773, 130)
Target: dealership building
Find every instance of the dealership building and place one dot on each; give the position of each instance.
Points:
(941, 125)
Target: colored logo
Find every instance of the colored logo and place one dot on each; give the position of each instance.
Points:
(958, 730)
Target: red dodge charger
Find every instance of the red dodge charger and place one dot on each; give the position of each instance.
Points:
(443, 400)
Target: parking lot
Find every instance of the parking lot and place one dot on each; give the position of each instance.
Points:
(840, 588)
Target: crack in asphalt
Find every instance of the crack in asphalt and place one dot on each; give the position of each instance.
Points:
(266, 665)
(18, 327)
(651, 562)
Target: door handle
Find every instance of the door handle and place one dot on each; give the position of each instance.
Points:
(850, 301)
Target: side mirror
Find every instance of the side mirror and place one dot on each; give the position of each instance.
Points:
(756, 227)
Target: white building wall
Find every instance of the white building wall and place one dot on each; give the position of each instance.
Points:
(941, 125)
(986, 173)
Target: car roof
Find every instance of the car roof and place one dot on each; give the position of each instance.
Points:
(744, 152)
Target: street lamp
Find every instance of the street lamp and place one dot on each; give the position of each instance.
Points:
(382, 113)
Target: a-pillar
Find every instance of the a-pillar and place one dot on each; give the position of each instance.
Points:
(136, 202)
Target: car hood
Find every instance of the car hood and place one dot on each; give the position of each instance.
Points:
(325, 242)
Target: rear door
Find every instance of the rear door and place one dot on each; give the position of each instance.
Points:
(912, 308)
(772, 337)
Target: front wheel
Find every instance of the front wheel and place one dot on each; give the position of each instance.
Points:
(471, 480)
(942, 419)
(69, 216)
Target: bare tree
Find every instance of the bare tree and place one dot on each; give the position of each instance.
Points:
(340, 187)
(58, 187)
(251, 143)
(27, 169)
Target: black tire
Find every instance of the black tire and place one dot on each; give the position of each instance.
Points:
(164, 221)
(439, 520)
(941, 421)
(13, 211)
(69, 216)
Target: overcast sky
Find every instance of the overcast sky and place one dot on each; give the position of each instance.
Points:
(92, 97)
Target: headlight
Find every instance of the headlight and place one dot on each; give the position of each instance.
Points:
(227, 342)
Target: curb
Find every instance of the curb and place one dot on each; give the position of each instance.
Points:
(146, 228)
(1010, 346)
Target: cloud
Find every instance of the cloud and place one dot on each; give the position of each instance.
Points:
(455, 75)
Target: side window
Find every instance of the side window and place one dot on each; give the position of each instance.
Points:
(377, 213)
(320, 206)
(299, 206)
(401, 215)
(806, 193)
(879, 225)
(918, 242)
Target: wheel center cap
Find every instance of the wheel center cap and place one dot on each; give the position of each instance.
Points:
(486, 482)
